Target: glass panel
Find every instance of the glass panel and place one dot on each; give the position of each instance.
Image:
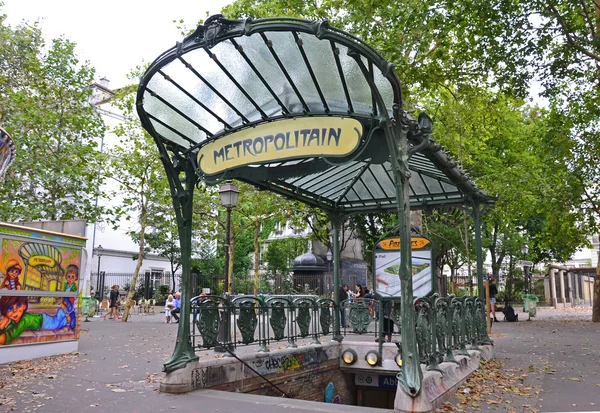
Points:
(157, 109)
(243, 73)
(169, 92)
(170, 135)
(371, 181)
(213, 74)
(416, 184)
(261, 57)
(432, 184)
(360, 91)
(286, 48)
(383, 174)
(191, 83)
(385, 88)
(320, 56)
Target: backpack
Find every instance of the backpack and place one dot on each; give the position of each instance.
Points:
(509, 314)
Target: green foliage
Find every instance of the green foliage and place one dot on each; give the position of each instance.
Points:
(371, 228)
(161, 294)
(280, 254)
(45, 105)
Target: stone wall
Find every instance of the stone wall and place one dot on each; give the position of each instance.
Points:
(302, 373)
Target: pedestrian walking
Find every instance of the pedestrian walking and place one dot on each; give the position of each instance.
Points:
(114, 303)
(493, 294)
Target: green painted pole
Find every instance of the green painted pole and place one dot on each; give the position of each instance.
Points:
(477, 215)
(182, 202)
(336, 221)
(410, 376)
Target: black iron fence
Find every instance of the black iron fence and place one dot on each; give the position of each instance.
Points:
(444, 325)
(147, 285)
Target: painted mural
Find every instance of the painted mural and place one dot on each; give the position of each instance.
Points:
(39, 286)
(35, 319)
(39, 266)
(7, 152)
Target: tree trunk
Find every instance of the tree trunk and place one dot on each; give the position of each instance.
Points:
(256, 255)
(596, 308)
(143, 217)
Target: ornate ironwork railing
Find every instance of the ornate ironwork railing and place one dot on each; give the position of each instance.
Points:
(445, 326)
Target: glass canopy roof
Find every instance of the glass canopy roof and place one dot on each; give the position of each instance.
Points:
(296, 107)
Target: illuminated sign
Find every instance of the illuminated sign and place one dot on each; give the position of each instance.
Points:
(416, 243)
(281, 140)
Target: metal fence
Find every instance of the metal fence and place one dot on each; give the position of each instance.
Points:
(444, 325)
(147, 283)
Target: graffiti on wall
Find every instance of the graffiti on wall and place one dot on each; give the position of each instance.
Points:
(28, 319)
(309, 360)
(39, 266)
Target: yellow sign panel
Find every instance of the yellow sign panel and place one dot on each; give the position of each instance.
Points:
(38, 260)
(416, 243)
(280, 140)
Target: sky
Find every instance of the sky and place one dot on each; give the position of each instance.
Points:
(114, 36)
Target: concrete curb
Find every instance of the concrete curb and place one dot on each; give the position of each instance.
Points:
(438, 387)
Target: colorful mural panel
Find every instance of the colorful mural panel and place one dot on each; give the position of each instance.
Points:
(37, 319)
(37, 265)
(7, 152)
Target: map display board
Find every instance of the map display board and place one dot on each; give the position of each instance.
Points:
(387, 265)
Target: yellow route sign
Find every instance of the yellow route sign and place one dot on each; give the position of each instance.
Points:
(416, 243)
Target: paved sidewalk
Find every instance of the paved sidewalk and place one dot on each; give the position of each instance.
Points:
(552, 364)
(119, 367)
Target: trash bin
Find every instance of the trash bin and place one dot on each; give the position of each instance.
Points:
(529, 302)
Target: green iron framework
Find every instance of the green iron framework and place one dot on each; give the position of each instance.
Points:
(306, 111)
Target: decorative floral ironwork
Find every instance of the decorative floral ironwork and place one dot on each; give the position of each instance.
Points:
(278, 319)
(359, 317)
(325, 316)
(247, 321)
(208, 323)
(423, 329)
(303, 318)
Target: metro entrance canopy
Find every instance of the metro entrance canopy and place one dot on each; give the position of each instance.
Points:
(303, 110)
(265, 101)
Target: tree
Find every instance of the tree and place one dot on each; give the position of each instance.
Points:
(557, 43)
(45, 104)
(258, 207)
(279, 256)
(136, 167)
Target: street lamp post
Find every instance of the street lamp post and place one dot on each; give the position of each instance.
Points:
(99, 284)
(329, 256)
(524, 251)
(228, 193)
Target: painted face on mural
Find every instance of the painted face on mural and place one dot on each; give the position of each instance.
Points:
(14, 272)
(71, 277)
(15, 312)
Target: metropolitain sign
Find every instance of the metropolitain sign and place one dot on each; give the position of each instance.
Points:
(280, 140)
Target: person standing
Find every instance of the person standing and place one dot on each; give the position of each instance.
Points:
(114, 303)
(344, 295)
(493, 294)
(177, 310)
